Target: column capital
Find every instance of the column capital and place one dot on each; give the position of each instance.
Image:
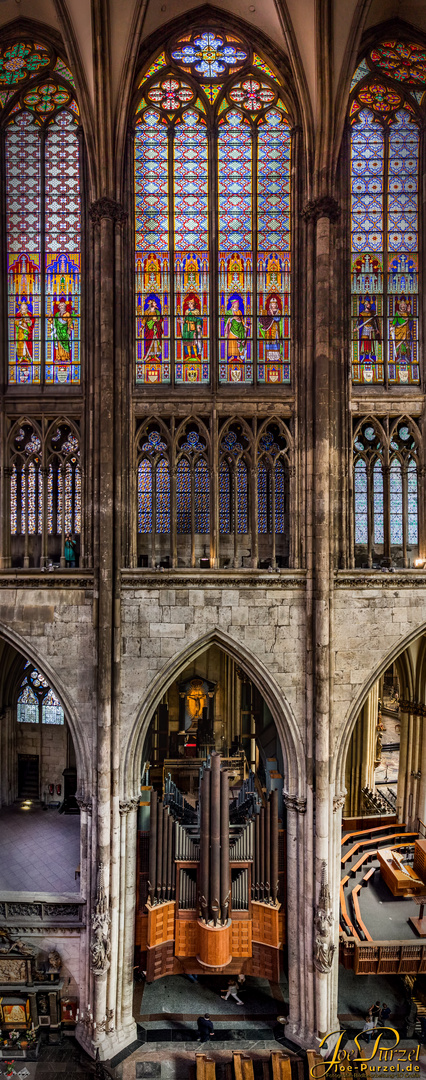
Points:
(293, 802)
(325, 206)
(127, 806)
(339, 801)
(107, 208)
(84, 804)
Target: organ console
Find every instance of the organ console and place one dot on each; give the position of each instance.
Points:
(212, 879)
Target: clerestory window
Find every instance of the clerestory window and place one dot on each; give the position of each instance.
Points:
(212, 166)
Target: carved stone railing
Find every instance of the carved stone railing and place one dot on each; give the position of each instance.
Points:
(42, 911)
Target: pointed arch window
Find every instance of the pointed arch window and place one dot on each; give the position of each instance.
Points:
(40, 119)
(386, 494)
(37, 702)
(385, 115)
(212, 164)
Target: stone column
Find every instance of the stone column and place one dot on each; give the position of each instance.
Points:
(301, 1020)
(323, 212)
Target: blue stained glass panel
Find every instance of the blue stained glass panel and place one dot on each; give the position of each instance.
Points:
(224, 498)
(279, 497)
(27, 710)
(242, 497)
(402, 233)
(378, 534)
(144, 496)
(163, 496)
(395, 506)
(202, 497)
(262, 497)
(361, 516)
(412, 499)
(183, 497)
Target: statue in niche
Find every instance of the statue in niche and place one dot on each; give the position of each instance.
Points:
(324, 948)
(100, 948)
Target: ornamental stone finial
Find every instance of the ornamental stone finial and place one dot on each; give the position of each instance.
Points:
(324, 948)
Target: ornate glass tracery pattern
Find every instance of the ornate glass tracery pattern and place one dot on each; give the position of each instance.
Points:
(37, 701)
(183, 496)
(240, 189)
(385, 167)
(385, 494)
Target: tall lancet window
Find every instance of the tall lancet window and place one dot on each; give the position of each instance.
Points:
(40, 118)
(212, 165)
(386, 114)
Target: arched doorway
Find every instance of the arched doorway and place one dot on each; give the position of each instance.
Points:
(39, 813)
(213, 770)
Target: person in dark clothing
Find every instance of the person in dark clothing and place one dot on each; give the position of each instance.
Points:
(205, 1028)
(374, 1010)
(384, 1015)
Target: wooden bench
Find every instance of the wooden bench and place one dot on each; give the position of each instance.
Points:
(389, 843)
(368, 832)
(357, 911)
(343, 910)
(281, 1066)
(206, 1070)
(243, 1067)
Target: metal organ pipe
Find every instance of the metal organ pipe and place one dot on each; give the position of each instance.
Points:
(169, 855)
(205, 843)
(215, 837)
(274, 845)
(159, 847)
(164, 861)
(224, 845)
(262, 852)
(257, 858)
(153, 846)
(267, 851)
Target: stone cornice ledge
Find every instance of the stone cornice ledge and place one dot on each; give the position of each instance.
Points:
(377, 579)
(220, 579)
(18, 578)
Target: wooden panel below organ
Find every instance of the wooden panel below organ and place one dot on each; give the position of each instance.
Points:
(159, 961)
(265, 962)
(161, 923)
(265, 923)
(141, 931)
(241, 938)
(186, 943)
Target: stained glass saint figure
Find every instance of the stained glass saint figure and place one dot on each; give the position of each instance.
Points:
(24, 325)
(237, 330)
(271, 329)
(369, 335)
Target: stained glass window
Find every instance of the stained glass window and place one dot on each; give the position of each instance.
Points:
(378, 503)
(361, 503)
(395, 502)
(242, 497)
(202, 497)
(262, 497)
(412, 503)
(279, 497)
(43, 216)
(145, 496)
(37, 700)
(385, 168)
(183, 496)
(163, 496)
(237, 183)
(224, 498)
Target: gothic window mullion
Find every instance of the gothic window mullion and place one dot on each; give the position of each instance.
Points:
(386, 320)
(370, 510)
(171, 214)
(43, 328)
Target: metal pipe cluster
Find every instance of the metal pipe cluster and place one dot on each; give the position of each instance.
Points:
(214, 844)
(265, 876)
(161, 884)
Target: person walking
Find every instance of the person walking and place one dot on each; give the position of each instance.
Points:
(233, 991)
(368, 1028)
(205, 1028)
(374, 1010)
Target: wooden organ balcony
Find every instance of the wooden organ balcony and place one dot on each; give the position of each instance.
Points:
(211, 881)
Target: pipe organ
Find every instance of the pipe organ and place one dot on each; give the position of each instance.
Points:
(212, 895)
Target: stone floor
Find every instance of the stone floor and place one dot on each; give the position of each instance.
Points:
(64, 1062)
(39, 850)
